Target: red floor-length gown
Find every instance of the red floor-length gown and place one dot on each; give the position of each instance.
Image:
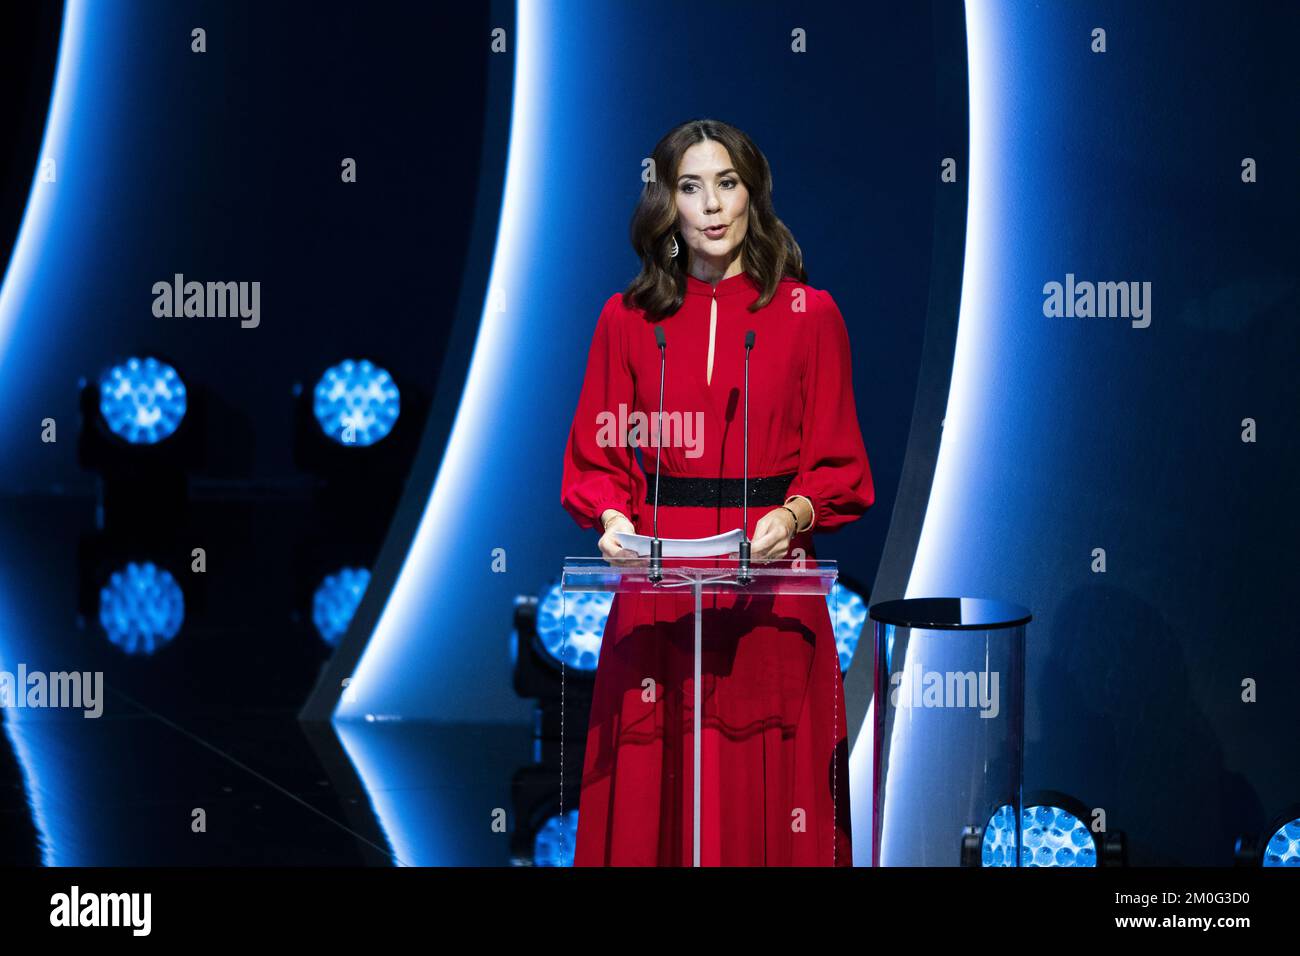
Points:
(774, 760)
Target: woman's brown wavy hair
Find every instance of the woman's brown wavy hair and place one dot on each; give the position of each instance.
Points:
(768, 251)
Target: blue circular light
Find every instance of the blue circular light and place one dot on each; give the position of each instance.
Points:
(1049, 836)
(555, 842)
(848, 619)
(141, 608)
(336, 600)
(356, 403)
(1284, 845)
(1056, 837)
(587, 613)
(999, 839)
(142, 400)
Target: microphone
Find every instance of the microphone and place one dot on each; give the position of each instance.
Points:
(744, 576)
(656, 545)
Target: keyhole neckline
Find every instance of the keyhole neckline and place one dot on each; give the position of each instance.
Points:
(740, 283)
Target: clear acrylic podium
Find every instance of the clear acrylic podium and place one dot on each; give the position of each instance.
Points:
(698, 576)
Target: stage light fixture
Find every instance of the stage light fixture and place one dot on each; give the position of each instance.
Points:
(356, 403)
(142, 400)
(848, 619)
(1278, 845)
(1052, 834)
(141, 608)
(586, 613)
(998, 847)
(141, 431)
(1283, 847)
(336, 601)
(555, 842)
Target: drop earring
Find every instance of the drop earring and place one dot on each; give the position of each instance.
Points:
(673, 254)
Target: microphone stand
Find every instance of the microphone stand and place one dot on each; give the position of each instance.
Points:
(744, 577)
(657, 545)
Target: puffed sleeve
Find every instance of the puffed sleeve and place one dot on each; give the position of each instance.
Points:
(833, 470)
(599, 464)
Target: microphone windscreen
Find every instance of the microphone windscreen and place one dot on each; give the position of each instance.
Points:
(659, 336)
(749, 339)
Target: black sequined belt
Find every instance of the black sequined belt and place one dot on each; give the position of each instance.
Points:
(678, 491)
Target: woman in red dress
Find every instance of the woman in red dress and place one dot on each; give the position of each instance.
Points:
(717, 263)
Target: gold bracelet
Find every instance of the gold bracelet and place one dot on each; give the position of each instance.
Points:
(797, 529)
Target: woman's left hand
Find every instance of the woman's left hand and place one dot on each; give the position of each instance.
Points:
(772, 536)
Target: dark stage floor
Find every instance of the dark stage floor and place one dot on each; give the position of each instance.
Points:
(205, 727)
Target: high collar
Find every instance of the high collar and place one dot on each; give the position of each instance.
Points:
(731, 285)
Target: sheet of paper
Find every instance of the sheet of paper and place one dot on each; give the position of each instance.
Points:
(718, 544)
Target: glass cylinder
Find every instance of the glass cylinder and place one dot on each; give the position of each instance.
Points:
(949, 731)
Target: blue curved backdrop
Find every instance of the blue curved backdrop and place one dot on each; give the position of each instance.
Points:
(1068, 436)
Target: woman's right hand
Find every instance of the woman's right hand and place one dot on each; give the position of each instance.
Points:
(609, 544)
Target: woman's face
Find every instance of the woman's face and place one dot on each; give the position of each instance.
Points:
(710, 194)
